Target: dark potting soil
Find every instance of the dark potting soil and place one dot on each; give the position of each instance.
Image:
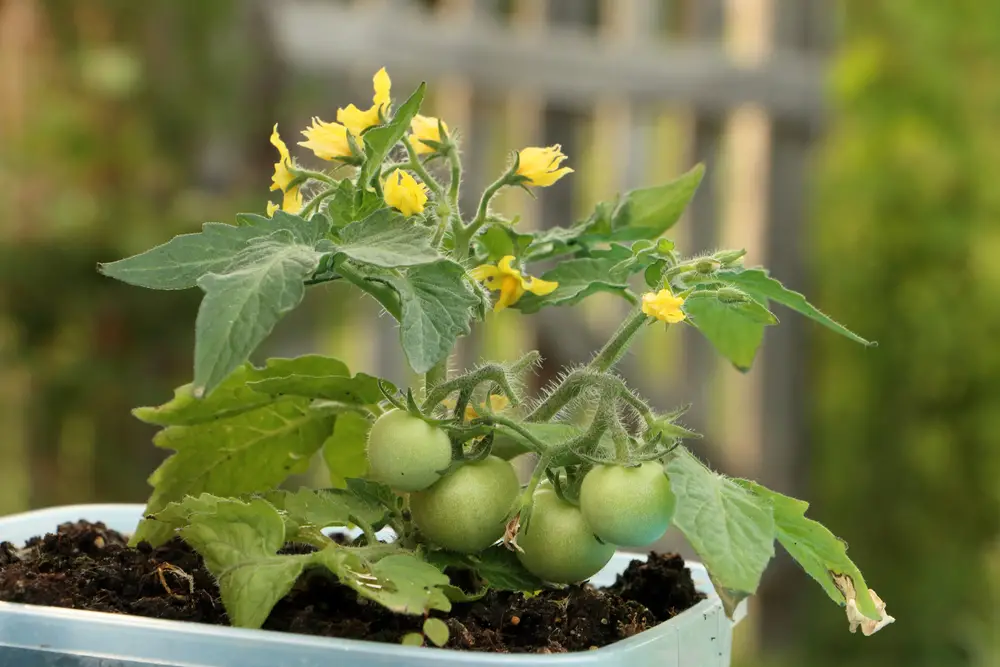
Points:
(87, 566)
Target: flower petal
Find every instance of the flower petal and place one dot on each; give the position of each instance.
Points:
(539, 287)
(484, 272)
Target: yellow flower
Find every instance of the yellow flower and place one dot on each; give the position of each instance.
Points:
(510, 282)
(541, 165)
(425, 128)
(663, 305)
(495, 403)
(283, 177)
(404, 193)
(356, 120)
(327, 140)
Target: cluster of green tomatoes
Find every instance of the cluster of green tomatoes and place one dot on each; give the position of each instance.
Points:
(467, 508)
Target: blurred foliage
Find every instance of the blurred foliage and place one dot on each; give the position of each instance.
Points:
(906, 461)
(132, 110)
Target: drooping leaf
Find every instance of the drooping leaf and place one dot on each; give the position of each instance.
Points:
(437, 307)
(820, 553)
(239, 544)
(250, 452)
(578, 279)
(324, 508)
(344, 451)
(763, 287)
(241, 307)
(734, 329)
(181, 261)
(731, 528)
(380, 140)
(387, 239)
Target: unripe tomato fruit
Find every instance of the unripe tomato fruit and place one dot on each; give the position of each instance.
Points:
(466, 510)
(406, 452)
(559, 545)
(628, 506)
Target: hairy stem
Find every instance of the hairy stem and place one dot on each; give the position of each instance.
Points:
(417, 166)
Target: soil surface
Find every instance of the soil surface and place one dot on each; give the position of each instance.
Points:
(88, 566)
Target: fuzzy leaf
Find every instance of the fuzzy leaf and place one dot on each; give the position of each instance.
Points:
(344, 209)
(239, 544)
(379, 141)
(344, 451)
(763, 287)
(387, 239)
(437, 307)
(306, 232)
(820, 553)
(326, 508)
(241, 307)
(734, 329)
(731, 528)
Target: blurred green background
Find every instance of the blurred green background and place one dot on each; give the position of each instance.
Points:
(123, 123)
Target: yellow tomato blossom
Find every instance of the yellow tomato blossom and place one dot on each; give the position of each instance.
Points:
(404, 193)
(663, 305)
(356, 120)
(510, 282)
(283, 177)
(425, 128)
(541, 165)
(495, 403)
(327, 140)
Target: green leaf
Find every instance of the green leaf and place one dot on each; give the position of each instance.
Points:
(328, 507)
(731, 529)
(374, 493)
(344, 451)
(247, 453)
(387, 239)
(499, 567)
(578, 279)
(314, 378)
(734, 329)
(240, 308)
(239, 544)
(437, 307)
(498, 241)
(763, 287)
(402, 583)
(820, 553)
(307, 232)
(436, 630)
(181, 261)
(380, 140)
(647, 213)
(412, 639)
(178, 514)
(344, 209)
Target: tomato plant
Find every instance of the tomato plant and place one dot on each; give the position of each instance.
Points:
(628, 506)
(466, 510)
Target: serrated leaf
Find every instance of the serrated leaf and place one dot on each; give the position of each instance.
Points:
(324, 508)
(250, 452)
(360, 389)
(181, 261)
(763, 287)
(402, 583)
(239, 545)
(730, 528)
(344, 451)
(578, 279)
(241, 307)
(820, 553)
(734, 329)
(343, 208)
(437, 307)
(374, 493)
(436, 630)
(380, 140)
(178, 514)
(387, 239)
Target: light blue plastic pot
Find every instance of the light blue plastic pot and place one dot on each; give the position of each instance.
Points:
(51, 637)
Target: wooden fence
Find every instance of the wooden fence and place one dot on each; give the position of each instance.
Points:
(636, 91)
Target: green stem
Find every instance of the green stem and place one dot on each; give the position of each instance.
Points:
(615, 348)
(438, 374)
(315, 175)
(419, 169)
(456, 175)
(385, 294)
(315, 201)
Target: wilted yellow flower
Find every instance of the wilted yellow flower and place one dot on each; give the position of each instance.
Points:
(327, 140)
(495, 403)
(541, 165)
(510, 282)
(663, 305)
(283, 177)
(404, 193)
(425, 128)
(356, 120)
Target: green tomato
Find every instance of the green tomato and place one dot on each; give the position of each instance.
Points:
(406, 452)
(628, 506)
(466, 510)
(559, 545)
